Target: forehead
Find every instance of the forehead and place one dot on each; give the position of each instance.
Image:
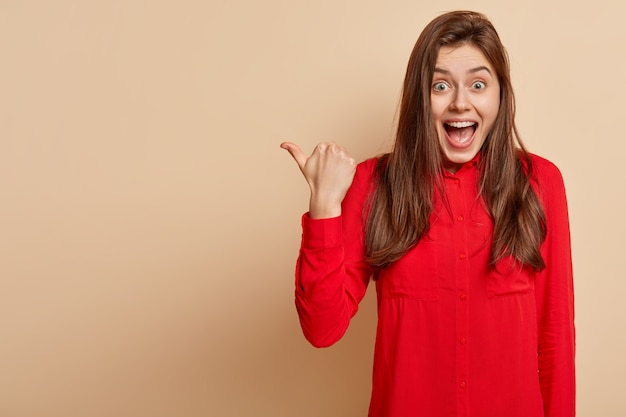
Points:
(461, 57)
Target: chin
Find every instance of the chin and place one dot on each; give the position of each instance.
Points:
(460, 159)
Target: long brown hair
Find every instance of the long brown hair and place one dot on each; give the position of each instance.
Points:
(411, 174)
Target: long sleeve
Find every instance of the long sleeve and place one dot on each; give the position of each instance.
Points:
(331, 275)
(555, 300)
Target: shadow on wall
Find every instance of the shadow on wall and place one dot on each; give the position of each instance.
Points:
(269, 369)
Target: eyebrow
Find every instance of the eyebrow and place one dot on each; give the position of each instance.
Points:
(470, 71)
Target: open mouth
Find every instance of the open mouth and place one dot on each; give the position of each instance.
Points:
(460, 134)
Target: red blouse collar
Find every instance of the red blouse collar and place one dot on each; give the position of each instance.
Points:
(473, 163)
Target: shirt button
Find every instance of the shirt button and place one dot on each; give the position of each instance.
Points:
(462, 384)
(462, 340)
(457, 181)
(461, 256)
(460, 218)
(463, 297)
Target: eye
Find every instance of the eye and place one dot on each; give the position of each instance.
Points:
(440, 86)
(479, 85)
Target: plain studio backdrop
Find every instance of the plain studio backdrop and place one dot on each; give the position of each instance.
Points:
(149, 222)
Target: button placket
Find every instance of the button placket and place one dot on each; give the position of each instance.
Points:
(460, 200)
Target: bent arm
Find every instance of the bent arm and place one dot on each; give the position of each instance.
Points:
(331, 274)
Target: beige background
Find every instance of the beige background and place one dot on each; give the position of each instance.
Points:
(149, 222)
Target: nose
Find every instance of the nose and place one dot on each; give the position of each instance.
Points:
(460, 101)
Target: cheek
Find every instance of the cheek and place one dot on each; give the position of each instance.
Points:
(494, 112)
(490, 107)
(495, 103)
(437, 108)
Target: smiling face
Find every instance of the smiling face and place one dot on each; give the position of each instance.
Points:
(464, 99)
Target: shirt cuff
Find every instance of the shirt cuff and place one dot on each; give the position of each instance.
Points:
(321, 233)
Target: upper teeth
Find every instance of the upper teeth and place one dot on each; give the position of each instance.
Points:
(460, 124)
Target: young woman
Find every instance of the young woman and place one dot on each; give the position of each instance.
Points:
(465, 235)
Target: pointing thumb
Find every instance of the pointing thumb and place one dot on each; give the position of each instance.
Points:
(295, 151)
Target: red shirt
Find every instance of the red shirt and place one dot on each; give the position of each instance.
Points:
(454, 337)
